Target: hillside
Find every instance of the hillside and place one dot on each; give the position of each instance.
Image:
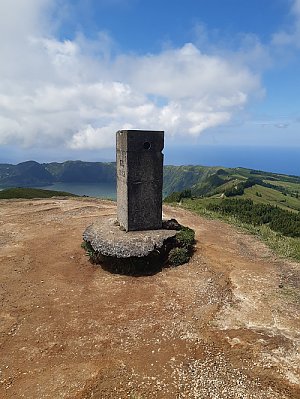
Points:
(12, 193)
(265, 204)
(219, 183)
(225, 325)
(209, 181)
(202, 180)
(82, 172)
(179, 178)
(24, 174)
(34, 174)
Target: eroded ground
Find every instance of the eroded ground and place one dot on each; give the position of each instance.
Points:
(226, 325)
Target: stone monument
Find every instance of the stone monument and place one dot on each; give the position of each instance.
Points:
(138, 241)
(139, 179)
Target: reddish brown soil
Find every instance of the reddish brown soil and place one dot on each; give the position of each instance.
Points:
(226, 325)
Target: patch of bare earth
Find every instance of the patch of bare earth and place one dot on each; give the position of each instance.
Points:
(226, 325)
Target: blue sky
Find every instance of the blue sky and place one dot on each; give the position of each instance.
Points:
(221, 73)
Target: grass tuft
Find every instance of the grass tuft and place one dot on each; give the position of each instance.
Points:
(178, 256)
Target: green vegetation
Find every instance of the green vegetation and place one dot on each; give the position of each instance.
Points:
(185, 238)
(264, 204)
(30, 193)
(82, 172)
(179, 178)
(34, 174)
(24, 174)
(211, 181)
(178, 256)
(279, 220)
(286, 246)
(177, 196)
(261, 187)
(199, 181)
(182, 248)
(89, 250)
(265, 195)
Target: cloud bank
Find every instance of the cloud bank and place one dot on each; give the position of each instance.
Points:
(291, 36)
(73, 93)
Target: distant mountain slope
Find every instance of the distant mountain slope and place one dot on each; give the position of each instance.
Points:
(260, 187)
(179, 178)
(201, 180)
(82, 172)
(24, 174)
(207, 181)
(34, 174)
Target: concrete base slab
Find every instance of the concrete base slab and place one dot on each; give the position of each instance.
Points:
(106, 237)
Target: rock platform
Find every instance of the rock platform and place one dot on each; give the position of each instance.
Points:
(106, 237)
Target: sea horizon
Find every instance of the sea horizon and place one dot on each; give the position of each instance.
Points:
(268, 159)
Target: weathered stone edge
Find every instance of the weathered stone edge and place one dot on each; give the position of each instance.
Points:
(139, 247)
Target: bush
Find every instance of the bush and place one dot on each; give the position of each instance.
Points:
(184, 241)
(185, 238)
(89, 251)
(178, 256)
(177, 196)
(279, 220)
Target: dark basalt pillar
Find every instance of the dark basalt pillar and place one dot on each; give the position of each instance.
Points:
(139, 179)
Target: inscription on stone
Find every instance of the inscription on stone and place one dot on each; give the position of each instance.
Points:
(139, 179)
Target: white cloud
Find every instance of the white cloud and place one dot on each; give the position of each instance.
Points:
(90, 137)
(72, 93)
(290, 37)
(187, 73)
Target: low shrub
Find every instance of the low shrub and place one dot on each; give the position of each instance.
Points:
(89, 251)
(178, 256)
(177, 196)
(185, 238)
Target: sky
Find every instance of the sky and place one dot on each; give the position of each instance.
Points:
(215, 74)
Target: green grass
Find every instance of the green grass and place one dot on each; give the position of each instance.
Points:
(272, 197)
(294, 187)
(29, 193)
(287, 247)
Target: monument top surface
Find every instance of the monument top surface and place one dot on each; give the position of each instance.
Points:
(135, 140)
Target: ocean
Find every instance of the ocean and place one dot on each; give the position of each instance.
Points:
(269, 159)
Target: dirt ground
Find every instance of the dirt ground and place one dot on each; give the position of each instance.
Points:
(226, 325)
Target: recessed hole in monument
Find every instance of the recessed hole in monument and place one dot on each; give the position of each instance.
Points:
(147, 145)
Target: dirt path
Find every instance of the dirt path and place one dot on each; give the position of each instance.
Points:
(226, 325)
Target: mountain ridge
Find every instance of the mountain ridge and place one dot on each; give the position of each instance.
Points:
(201, 180)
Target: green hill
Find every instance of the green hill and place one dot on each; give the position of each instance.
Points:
(82, 172)
(216, 183)
(24, 174)
(179, 178)
(202, 181)
(34, 174)
(265, 204)
(29, 193)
